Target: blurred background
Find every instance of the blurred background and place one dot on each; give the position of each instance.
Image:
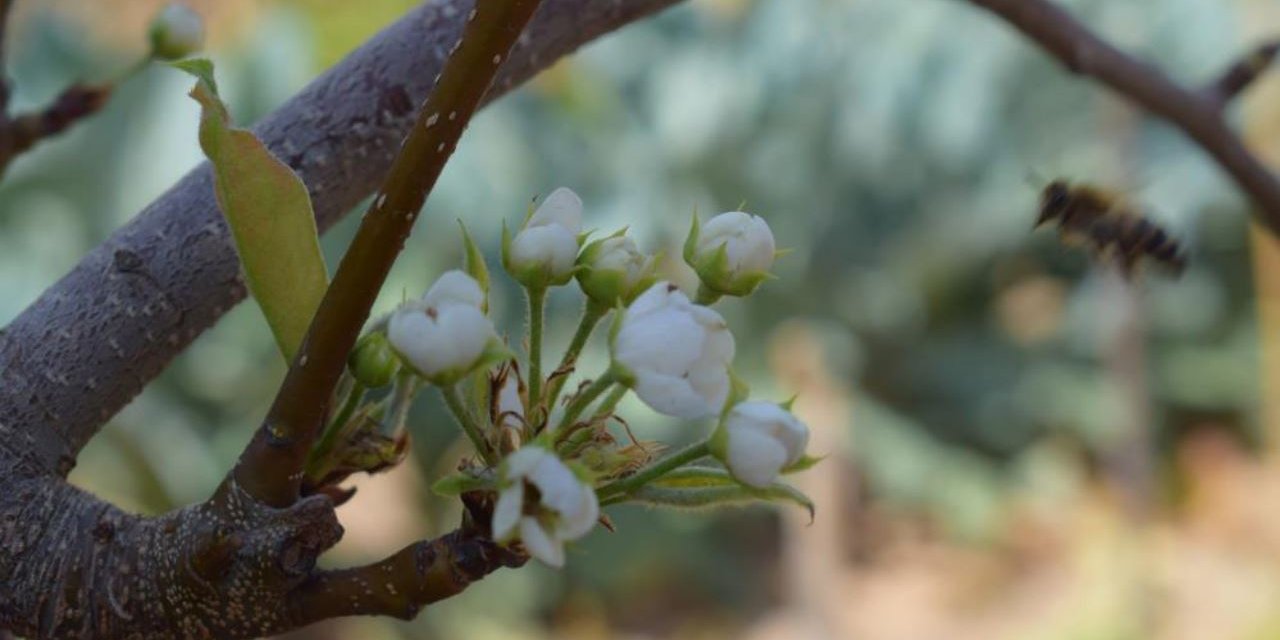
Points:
(1019, 445)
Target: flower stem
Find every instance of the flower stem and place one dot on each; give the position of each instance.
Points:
(407, 385)
(537, 301)
(707, 297)
(610, 402)
(591, 315)
(453, 399)
(353, 398)
(585, 398)
(654, 471)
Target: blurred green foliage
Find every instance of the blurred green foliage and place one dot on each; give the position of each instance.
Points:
(889, 144)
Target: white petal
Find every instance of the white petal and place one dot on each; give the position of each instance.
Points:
(771, 421)
(710, 381)
(506, 513)
(582, 518)
(667, 341)
(539, 544)
(673, 396)
(509, 404)
(754, 458)
(518, 465)
(553, 247)
(454, 286)
(563, 207)
(659, 296)
(557, 484)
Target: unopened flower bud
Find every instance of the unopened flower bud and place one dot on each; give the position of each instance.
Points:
(373, 362)
(674, 353)
(445, 335)
(613, 270)
(176, 32)
(758, 440)
(732, 254)
(543, 252)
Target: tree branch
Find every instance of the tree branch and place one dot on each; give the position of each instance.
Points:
(91, 342)
(271, 466)
(1196, 114)
(1242, 74)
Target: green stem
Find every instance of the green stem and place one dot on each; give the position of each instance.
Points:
(270, 468)
(610, 402)
(537, 300)
(355, 395)
(407, 385)
(585, 398)
(654, 471)
(591, 315)
(453, 399)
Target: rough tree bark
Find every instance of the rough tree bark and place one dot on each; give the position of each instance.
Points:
(73, 566)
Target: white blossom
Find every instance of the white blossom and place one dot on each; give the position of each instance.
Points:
(567, 507)
(762, 439)
(445, 335)
(732, 253)
(545, 249)
(676, 353)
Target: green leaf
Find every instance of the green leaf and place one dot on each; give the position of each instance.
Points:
(697, 488)
(460, 483)
(269, 212)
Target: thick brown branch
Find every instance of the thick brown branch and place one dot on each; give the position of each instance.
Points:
(1242, 74)
(1200, 118)
(92, 341)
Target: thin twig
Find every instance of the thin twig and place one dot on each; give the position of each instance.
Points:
(270, 468)
(1200, 118)
(1242, 74)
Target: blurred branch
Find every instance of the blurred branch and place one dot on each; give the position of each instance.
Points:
(91, 342)
(1198, 115)
(18, 134)
(1242, 74)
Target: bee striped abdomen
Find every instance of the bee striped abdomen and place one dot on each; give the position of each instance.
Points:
(1111, 229)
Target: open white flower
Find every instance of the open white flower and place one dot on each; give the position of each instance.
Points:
(613, 269)
(675, 354)
(566, 508)
(543, 252)
(732, 253)
(445, 335)
(762, 438)
(176, 32)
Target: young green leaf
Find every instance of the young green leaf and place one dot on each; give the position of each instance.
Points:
(696, 487)
(712, 497)
(269, 212)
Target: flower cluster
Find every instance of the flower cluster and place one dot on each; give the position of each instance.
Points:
(552, 463)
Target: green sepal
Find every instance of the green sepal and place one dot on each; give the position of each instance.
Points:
(474, 264)
(691, 241)
(804, 463)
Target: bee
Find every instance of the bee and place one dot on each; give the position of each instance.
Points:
(1109, 226)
